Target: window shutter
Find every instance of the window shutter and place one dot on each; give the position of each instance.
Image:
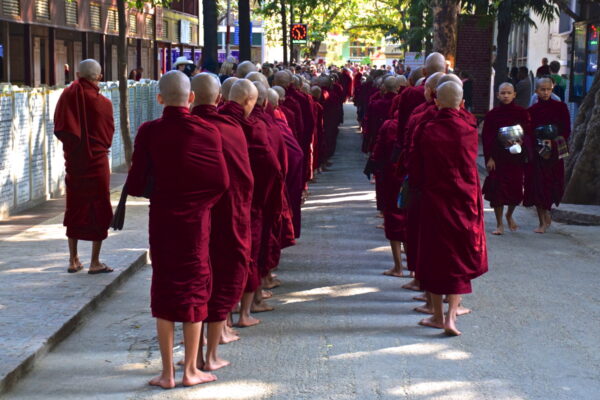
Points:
(11, 7)
(132, 23)
(42, 9)
(113, 21)
(95, 16)
(71, 12)
(150, 26)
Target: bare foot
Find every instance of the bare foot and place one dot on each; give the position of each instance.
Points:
(450, 327)
(420, 297)
(396, 273)
(380, 226)
(266, 294)
(424, 309)
(197, 378)
(412, 285)
(463, 310)
(512, 225)
(499, 231)
(273, 284)
(379, 215)
(216, 364)
(228, 335)
(163, 382)
(431, 322)
(246, 322)
(261, 307)
(541, 229)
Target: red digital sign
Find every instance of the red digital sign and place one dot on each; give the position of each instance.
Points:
(299, 33)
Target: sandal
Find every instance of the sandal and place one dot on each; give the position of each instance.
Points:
(74, 270)
(104, 270)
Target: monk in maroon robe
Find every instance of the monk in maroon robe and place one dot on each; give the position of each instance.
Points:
(294, 179)
(267, 182)
(452, 246)
(504, 184)
(230, 237)
(182, 154)
(319, 135)
(545, 174)
(83, 122)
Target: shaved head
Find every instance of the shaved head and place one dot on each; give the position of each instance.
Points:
(415, 75)
(262, 93)
(402, 81)
(245, 68)
(207, 88)
(258, 77)
(245, 94)
(543, 81)
(175, 88)
(432, 80)
(273, 98)
(306, 87)
(506, 85)
(449, 95)
(316, 92)
(435, 62)
(90, 69)
(296, 81)
(280, 91)
(227, 86)
(450, 78)
(390, 84)
(282, 78)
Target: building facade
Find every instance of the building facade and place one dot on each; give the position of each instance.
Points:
(41, 41)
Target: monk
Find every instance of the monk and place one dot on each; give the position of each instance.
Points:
(182, 154)
(293, 178)
(504, 184)
(283, 79)
(452, 246)
(244, 68)
(83, 122)
(226, 87)
(545, 176)
(230, 238)
(268, 179)
(319, 136)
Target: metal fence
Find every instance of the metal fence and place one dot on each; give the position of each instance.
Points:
(31, 158)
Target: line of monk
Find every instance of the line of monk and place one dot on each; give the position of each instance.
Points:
(423, 155)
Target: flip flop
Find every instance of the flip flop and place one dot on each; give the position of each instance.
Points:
(74, 270)
(104, 270)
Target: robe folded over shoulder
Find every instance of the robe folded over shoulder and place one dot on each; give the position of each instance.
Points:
(305, 137)
(319, 136)
(83, 122)
(378, 112)
(268, 180)
(504, 185)
(410, 98)
(545, 179)
(452, 245)
(230, 236)
(183, 154)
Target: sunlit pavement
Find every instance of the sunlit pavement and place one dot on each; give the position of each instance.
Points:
(341, 330)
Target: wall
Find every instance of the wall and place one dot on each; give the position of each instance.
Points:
(31, 158)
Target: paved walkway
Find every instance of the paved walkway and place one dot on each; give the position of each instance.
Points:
(342, 330)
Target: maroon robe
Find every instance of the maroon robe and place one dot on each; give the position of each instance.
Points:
(389, 183)
(83, 122)
(318, 136)
(346, 82)
(545, 179)
(183, 155)
(410, 98)
(230, 236)
(308, 121)
(291, 105)
(452, 245)
(377, 111)
(504, 185)
(266, 197)
(330, 123)
(294, 180)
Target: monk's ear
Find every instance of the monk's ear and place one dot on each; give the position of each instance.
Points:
(160, 99)
(219, 98)
(437, 103)
(462, 103)
(191, 97)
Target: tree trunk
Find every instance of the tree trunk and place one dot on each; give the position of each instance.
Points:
(210, 51)
(122, 73)
(501, 63)
(284, 31)
(445, 22)
(314, 49)
(293, 57)
(245, 31)
(583, 165)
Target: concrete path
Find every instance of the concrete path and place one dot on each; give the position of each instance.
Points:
(342, 330)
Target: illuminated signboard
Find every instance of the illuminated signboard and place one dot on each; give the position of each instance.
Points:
(299, 33)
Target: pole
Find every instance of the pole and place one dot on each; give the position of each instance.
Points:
(228, 34)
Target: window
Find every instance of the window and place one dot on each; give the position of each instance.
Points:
(132, 23)
(95, 16)
(11, 7)
(256, 39)
(113, 20)
(165, 29)
(193, 31)
(150, 26)
(71, 12)
(42, 9)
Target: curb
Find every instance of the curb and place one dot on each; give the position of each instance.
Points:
(9, 381)
(575, 218)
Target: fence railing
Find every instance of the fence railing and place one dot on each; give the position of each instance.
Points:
(31, 158)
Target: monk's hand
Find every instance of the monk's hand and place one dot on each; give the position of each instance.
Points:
(491, 165)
